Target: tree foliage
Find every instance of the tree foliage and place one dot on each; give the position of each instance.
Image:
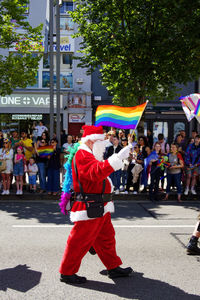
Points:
(18, 68)
(144, 47)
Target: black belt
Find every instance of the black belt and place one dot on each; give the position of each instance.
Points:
(93, 197)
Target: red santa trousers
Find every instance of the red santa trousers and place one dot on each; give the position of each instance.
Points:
(98, 233)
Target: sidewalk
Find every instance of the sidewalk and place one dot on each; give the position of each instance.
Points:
(27, 196)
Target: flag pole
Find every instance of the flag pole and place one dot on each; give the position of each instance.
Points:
(139, 119)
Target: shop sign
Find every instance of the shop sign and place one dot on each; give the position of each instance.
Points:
(76, 118)
(66, 45)
(26, 117)
(27, 100)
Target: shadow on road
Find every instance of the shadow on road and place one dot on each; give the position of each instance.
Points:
(46, 212)
(139, 287)
(19, 278)
(43, 212)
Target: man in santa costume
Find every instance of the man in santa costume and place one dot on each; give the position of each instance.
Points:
(90, 173)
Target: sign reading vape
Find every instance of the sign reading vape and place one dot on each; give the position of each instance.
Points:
(27, 100)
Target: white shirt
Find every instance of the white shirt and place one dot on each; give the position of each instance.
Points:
(66, 146)
(40, 129)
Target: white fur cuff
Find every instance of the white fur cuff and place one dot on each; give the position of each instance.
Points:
(115, 162)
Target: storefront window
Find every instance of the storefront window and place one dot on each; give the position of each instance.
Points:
(66, 24)
(178, 126)
(66, 6)
(160, 127)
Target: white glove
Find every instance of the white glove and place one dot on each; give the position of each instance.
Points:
(124, 153)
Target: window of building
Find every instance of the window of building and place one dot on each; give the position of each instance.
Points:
(36, 85)
(46, 79)
(46, 61)
(178, 126)
(66, 7)
(67, 60)
(66, 24)
(160, 127)
(66, 80)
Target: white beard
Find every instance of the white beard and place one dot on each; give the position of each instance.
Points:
(99, 148)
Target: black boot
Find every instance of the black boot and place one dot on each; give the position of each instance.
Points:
(72, 279)
(119, 272)
(192, 248)
(92, 251)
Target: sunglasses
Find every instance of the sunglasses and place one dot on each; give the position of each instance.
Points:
(5, 142)
(135, 147)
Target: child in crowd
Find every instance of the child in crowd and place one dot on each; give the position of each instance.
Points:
(32, 173)
(18, 171)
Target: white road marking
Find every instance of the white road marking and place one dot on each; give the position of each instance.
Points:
(115, 226)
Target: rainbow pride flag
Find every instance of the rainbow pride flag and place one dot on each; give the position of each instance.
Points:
(45, 151)
(197, 109)
(118, 116)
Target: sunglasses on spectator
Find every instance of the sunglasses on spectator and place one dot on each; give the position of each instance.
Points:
(5, 142)
(135, 147)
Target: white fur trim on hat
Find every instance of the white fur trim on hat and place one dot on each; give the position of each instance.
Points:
(82, 214)
(115, 162)
(92, 137)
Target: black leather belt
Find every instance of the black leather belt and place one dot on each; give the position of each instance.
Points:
(93, 197)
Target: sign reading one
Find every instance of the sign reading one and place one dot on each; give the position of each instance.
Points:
(27, 100)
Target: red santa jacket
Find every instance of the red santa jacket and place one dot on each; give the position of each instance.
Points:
(91, 174)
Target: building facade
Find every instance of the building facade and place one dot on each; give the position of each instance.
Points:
(23, 107)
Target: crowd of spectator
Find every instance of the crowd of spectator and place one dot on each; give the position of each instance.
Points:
(151, 167)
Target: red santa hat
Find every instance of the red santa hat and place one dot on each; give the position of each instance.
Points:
(92, 132)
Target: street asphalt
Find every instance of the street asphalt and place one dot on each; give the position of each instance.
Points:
(150, 237)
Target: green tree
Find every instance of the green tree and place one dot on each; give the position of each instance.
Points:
(18, 67)
(143, 47)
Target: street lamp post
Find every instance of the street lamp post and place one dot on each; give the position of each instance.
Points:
(58, 70)
(51, 6)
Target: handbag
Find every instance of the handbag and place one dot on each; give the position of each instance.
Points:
(94, 203)
(2, 165)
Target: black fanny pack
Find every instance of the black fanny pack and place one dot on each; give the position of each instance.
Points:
(94, 202)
